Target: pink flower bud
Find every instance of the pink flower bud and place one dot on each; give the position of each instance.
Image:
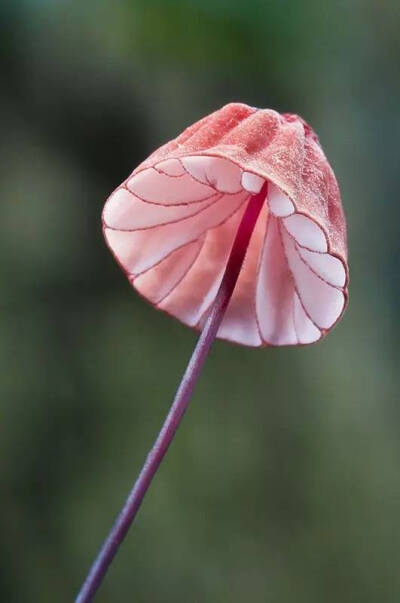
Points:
(172, 223)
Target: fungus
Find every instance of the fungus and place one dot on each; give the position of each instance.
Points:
(236, 229)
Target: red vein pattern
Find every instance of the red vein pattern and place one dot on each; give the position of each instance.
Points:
(171, 226)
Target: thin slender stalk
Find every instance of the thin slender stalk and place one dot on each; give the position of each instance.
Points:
(181, 401)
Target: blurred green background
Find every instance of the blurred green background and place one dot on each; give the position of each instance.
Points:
(284, 482)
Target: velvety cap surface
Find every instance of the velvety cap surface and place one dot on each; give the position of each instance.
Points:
(172, 223)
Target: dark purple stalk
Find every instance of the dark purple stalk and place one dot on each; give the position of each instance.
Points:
(181, 401)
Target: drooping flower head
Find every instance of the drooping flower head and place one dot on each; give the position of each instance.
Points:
(236, 228)
(172, 222)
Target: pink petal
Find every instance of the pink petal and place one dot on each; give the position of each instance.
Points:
(329, 267)
(279, 203)
(158, 282)
(155, 187)
(252, 182)
(221, 174)
(322, 302)
(171, 167)
(306, 232)
(125, 211)
(275, 291)
(306, 331)
(139, 250)
(240, 321)
(192, 298)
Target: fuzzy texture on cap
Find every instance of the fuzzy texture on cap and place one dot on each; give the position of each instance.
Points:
(172, 222)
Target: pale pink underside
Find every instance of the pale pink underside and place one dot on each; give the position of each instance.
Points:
(171, 227)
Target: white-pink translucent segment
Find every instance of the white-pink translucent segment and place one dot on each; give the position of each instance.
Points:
(158, 282)
(306, 330)
(298, 291)
(125, 211)
(139, 250)
(306, 232)
(171, 167)
(221, 174)
(252, 182)
(279, 203)
(157, 187)
(194, 295)
(275, 291)
(322, 302)
(240, 320)
(329, 267)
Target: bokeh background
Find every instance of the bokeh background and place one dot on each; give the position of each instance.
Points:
(284, 482)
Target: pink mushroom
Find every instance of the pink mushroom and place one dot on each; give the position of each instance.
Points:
(172, 223)
(235, 228)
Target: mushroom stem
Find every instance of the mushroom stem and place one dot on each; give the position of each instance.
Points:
(181, 401)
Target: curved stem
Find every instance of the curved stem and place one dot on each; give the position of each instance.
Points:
(181, 401)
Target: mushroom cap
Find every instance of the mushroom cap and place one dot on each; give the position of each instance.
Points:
(171, 224)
